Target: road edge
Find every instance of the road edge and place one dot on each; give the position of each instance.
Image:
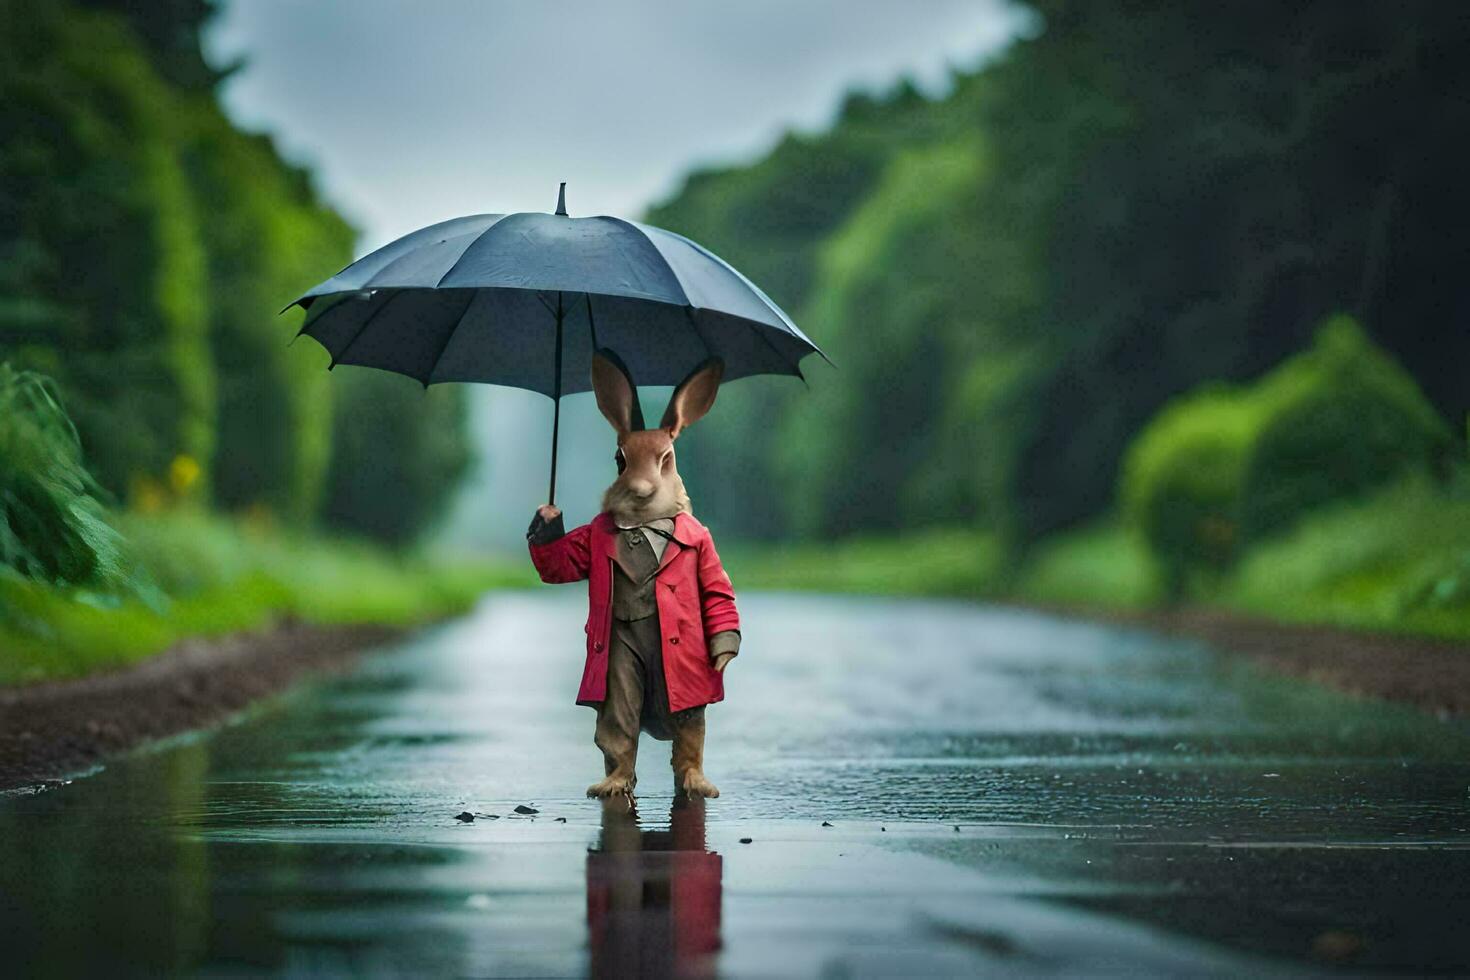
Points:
(58, 729)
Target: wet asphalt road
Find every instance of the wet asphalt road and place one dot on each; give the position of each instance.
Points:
(1124, 804)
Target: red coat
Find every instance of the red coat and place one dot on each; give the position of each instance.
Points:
(694, 595)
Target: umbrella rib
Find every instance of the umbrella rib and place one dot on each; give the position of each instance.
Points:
(455, 264)
(796, 367)
(759, 332)
(591, 323)
(337, 358)
(760, 293)
(689, 307)
(787, 326)
(429, 378)
(766, 300)
(694, 325)
(667, 264)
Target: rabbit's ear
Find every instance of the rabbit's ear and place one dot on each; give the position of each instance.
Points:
(617, 395)
(694, 397)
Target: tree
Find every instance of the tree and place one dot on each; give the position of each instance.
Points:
(101, 264)
(398, 450)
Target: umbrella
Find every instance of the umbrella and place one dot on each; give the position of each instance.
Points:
(525, 299)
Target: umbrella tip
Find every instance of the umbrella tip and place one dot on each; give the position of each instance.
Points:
(561, 200)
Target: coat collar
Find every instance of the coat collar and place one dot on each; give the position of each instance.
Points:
(685, 528)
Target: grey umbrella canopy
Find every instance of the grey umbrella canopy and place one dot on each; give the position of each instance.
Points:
(524, 299)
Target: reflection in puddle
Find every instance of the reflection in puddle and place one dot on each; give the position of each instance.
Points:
(653, 895)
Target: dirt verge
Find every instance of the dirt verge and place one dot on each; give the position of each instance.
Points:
(54, 729)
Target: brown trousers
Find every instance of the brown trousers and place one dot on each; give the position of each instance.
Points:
(638, 700)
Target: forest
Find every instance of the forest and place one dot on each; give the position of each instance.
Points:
(146, 245)
(1176, 277)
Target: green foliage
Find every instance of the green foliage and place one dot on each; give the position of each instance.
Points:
(145, 247)
(101, 267)
(1159, 195)
(1340, 419)
(268, 239)
(772, 219)
(853, 457)
(52, 527)
(171, 30)
(940, 561)
(1396, 560)
(1227, 465)
(776, 212)
(398, 450)
(223, 577)
(1181, 482)
(1104, 566)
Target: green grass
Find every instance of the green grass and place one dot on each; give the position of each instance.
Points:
(207, 576)
(1104, 566)
(938, 562)
(1097, 567)
(1398, 560)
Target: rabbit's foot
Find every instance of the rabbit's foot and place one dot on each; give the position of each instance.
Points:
(614, 785)
(695, 784)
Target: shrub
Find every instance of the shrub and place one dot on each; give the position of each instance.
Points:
(52, 527)
(1181, 480)
(1339, 419)
(1224, 466)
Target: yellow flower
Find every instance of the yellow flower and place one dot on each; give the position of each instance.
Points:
(183, 473)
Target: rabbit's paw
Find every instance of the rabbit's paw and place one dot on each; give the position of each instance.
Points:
(611, 786)
(696, 785)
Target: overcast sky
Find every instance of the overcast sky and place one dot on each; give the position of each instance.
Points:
(414, 112)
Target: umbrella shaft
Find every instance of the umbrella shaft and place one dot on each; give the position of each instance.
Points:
(556, 402)
(555, 425)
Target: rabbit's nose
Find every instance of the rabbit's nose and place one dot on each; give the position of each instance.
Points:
(641, 489)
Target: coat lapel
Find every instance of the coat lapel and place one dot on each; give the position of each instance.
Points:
(680, 540)
(670, 550)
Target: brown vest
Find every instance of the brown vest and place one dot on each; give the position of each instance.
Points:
(633, 581)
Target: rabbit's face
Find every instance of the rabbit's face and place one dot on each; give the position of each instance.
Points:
(648, 485)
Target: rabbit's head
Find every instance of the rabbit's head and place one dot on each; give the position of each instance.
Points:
(648, 485)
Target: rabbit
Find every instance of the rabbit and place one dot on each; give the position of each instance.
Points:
(662, 622)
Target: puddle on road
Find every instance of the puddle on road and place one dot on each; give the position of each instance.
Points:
(1120, 801)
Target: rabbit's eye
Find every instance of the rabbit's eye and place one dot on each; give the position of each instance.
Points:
(666, 461)
(621, 460)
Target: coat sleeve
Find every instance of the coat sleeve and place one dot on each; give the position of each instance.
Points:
(716, 594)
(565, 559)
